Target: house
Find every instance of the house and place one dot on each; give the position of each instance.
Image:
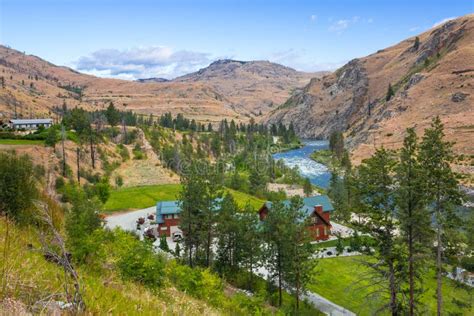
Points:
(318, 208)
(30, 124)
(168, 219)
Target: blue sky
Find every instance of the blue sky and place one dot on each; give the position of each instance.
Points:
(138, 39)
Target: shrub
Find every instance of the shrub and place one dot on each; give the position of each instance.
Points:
(118, 181)
(142, 265)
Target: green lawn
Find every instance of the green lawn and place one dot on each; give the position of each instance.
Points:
(21, 142)
(335, 279)
(146, 196)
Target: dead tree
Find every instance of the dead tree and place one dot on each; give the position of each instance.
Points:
(54, 250)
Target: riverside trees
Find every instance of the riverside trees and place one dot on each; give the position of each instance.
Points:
(406, 193)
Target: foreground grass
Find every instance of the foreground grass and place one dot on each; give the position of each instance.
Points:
(147, 196)
(21, 142)
(29, 279)
(344, 281)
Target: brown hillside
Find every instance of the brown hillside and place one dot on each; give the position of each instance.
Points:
(251, 86)
(34, 86)
(437, 78)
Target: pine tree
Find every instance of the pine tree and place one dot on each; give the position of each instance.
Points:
(442, 188)
(299, 265)
(413, 215)
(390, 92)
(277, 244)
(249, 252)
(112, 115)
(164, 244)
(376, 188)
(416, 45)
(227, 231)
(307, 187)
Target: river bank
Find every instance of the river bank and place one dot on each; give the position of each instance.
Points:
(317, 173)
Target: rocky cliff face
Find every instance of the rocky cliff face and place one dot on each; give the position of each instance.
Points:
(433, 78)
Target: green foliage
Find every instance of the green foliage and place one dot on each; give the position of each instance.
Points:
(139, 263)
(416, 44)
(52, 137)
(307, 187)
(17, 186)
(164, 244)
(336, 144)
(138, 153)
(123, 151)
(81, 221)
(390, 92)
(119, 181)
(112, 115)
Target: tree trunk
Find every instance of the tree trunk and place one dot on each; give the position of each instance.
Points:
(92, 150)
(439, 293)
(78, 168)
(439, 249)
(279, 280)
(411, 271)
(393, 290)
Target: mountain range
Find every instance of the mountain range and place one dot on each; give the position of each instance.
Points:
(225, 89)
(429, 74)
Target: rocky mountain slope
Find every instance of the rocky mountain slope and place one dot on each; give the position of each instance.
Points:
(240, 81)
(431, 76)
(32, 87)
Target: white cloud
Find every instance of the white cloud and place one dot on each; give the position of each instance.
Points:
(340, 25)
(299, 61)
(313, 17)
(142, 62)
(444, 21)
(370, 20)
(414, 29)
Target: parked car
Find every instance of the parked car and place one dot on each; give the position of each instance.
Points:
(177, 236)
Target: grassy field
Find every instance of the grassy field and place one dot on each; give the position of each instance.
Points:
(336, 280)
(20, 142)
(146, 196)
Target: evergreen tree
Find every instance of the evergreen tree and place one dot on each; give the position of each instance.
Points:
(112, 115)
(227, 233)
(17, 186)
(164, 244)
(52, 137)
(82, 220)
(413, 215)
(277, 244)
(390, 92)
(376, 188)
(336, 144)
(307, 187)
(442, 188)
(299, 262)
(416, 45)
(191, 203)
(249, 252)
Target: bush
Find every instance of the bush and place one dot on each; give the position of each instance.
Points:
(142, 265)
(118, 181)
(468, 263)
(17, 186)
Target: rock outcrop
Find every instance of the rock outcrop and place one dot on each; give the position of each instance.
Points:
(434, 78)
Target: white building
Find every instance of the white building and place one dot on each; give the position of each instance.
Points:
(30, 124)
